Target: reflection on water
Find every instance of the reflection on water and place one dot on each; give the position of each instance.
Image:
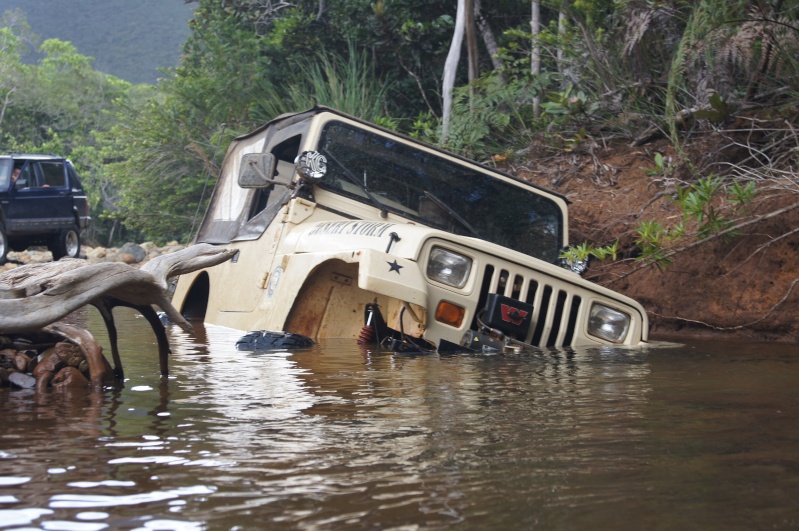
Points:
(695, 436)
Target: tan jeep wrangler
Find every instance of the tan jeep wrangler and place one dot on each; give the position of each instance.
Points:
(347, 230)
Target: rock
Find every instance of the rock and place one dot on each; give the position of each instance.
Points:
(70, 378)
(34, 360)
(21, 361)
(48, 362)
(68, 353)
(7, 358)
(130, 253)
(136, 251)
(3, 376)
(43, 381)
(96, 253)
(22, 380)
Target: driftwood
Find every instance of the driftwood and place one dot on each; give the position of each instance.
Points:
(34, 297)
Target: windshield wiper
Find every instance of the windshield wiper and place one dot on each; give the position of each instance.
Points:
(359, 184)
(449, 210)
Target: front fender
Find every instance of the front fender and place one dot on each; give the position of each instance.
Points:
(392, 276)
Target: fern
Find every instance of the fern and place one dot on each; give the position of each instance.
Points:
(491, 115)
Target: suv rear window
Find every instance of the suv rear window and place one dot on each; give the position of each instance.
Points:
(53, 172)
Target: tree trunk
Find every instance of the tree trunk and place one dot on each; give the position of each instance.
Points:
(471, 47)
(561, 38)
(111, 234)
(451, 67)
(471, 40)
(6, 100)
(488, 37)
(535, 56)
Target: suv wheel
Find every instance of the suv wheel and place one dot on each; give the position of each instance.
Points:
(65, 243)
(3, 244)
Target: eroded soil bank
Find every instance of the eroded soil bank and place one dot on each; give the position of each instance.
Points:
(743, 288)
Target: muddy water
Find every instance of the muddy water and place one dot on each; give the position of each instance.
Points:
(699, 436)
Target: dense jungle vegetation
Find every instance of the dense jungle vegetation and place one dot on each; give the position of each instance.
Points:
(559, 74)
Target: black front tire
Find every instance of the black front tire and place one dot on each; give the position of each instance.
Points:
(267, 340)
(66, 243)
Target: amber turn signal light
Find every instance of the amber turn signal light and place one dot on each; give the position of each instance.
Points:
(450, 314)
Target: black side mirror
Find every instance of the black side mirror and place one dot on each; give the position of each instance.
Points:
(257, 170)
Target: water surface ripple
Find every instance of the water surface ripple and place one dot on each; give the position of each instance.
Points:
(695, 436)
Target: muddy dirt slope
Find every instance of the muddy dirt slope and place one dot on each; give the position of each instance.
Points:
(741, 288)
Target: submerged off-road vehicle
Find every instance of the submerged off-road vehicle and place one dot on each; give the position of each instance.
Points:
(347, 230)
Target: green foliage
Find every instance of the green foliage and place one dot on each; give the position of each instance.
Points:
(489, 116)
(652, 238)
(698, 202)
(707, 207)
(347, 83)
(13, 74)
(582, 252)
(58, 105)
(574, 253)
(741, 194)
(719, 110)
(161, 167)
(607, 251)
(661, 166)
(565, 106)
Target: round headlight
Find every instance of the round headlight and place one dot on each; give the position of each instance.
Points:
(608, 323)
(448, 267)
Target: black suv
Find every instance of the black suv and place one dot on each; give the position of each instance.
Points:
(41, 203)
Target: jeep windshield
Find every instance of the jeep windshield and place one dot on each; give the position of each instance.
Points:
(429, 188)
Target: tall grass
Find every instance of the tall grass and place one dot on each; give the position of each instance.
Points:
(345, 83)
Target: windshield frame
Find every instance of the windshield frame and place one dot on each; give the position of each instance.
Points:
(403, 175)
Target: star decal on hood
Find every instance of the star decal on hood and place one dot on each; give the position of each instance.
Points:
(394, 266)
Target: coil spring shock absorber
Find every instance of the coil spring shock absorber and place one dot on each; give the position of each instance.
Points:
(368, 333)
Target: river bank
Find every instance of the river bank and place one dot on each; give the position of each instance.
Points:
(738, 287)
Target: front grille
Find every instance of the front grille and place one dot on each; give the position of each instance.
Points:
(555, 311)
